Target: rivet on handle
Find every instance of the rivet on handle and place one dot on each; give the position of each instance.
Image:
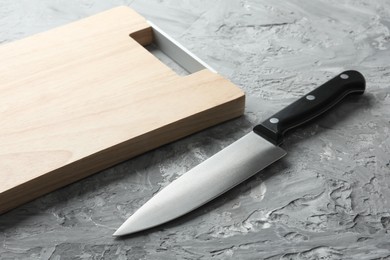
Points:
(310, 97)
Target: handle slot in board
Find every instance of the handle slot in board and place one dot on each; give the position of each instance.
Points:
(170, 47)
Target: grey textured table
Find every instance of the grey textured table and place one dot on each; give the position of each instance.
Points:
(328, 199)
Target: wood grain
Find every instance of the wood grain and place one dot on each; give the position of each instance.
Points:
(86, 96)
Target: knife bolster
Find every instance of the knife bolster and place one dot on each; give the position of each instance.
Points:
(270, 135)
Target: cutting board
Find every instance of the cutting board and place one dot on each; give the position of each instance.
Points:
(86, 96)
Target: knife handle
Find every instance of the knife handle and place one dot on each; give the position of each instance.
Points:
(311, 105)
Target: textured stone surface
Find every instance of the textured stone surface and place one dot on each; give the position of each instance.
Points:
(328, 199)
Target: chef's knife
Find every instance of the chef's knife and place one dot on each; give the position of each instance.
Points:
(240, 160)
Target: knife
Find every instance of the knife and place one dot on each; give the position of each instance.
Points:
(240, 160)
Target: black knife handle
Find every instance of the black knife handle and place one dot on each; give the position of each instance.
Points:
(311, 105)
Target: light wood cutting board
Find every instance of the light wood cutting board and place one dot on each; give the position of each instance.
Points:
(83, 97)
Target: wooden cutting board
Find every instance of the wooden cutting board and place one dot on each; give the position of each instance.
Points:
(83, 97)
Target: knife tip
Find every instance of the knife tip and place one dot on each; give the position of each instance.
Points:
(122, 230)
(127, 229)
(117, 234)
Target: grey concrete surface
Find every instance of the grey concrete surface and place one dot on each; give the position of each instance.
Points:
(328, 199)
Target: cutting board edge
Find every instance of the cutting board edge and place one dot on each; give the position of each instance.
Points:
(54, 180)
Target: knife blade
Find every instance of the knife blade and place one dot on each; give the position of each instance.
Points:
(240, 160)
